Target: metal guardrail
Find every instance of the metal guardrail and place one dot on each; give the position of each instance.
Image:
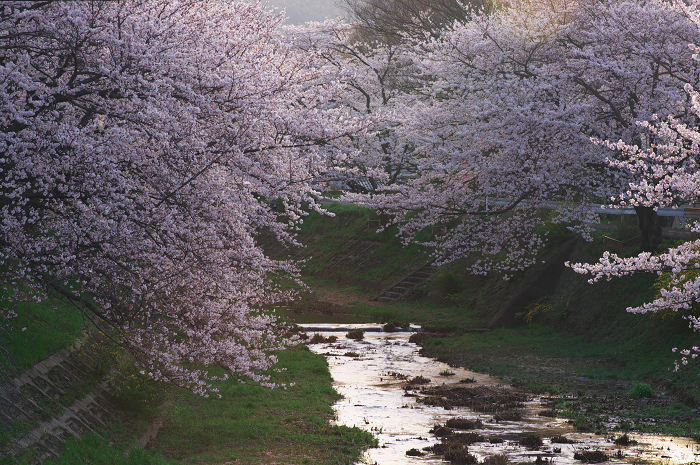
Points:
(691, 213)
(686, 212)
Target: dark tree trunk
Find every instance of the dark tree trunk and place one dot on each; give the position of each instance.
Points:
(650, 225)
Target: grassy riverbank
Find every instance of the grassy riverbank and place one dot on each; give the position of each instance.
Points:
(576, 345)
(39, 330)
(249, 424)
(623, 372)
(578, 341)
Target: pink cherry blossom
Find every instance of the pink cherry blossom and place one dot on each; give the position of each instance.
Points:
(663, 172)
(141, 142)
(499, 116)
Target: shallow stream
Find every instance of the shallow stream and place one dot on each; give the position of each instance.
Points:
(372, 375)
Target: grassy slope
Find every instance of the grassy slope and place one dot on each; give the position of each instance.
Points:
(343, 253)
(456, 301)
(581, 341)
(50, 326)
(249, 424)
(346, 249)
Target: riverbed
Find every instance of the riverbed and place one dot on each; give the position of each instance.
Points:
(372, 375)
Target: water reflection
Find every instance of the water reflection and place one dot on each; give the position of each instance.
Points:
(371, 375)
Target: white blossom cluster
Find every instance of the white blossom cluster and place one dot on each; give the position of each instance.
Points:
(692, 352)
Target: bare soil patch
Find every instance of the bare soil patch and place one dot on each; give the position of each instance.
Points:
(485, 399)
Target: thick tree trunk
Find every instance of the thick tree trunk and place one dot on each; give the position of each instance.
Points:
(650, 225)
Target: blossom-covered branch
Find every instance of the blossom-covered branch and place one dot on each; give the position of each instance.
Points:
(666, 174)
(141, 142)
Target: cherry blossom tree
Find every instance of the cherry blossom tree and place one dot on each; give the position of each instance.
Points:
(374, 52)
(484, 127)
(141, 141)
(375, 74)
(628, 61)
(668, 174)
(392, 21)
(514, 98)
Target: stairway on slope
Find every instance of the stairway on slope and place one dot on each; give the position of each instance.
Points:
(399, 289)
(48, 404)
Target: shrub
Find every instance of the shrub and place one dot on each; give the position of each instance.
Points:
(510, 415)
(591, 456)
(531, 441)
(641, 390)
(499, 459)
(419, 380)
(464, 423)
(318, 339)
(460, 456)
(624, 440)
(447, 282)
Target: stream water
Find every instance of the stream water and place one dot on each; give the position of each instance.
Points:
(371, 374)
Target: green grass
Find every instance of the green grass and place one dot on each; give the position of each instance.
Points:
(253, 424)
(93, 450)
(542, 360)
(433, 317)
(90, 449)
(347, 249)
(249, 424)
(50, 325)
(642, 352)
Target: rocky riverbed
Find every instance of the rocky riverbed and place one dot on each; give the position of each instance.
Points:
(424, 411)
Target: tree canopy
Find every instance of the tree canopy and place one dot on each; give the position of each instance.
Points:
(141, 143)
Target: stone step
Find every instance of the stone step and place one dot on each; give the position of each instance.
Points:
(406, 284)
(48, 436)
(38, 397)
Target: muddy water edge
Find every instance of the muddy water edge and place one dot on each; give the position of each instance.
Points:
(423, 411)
